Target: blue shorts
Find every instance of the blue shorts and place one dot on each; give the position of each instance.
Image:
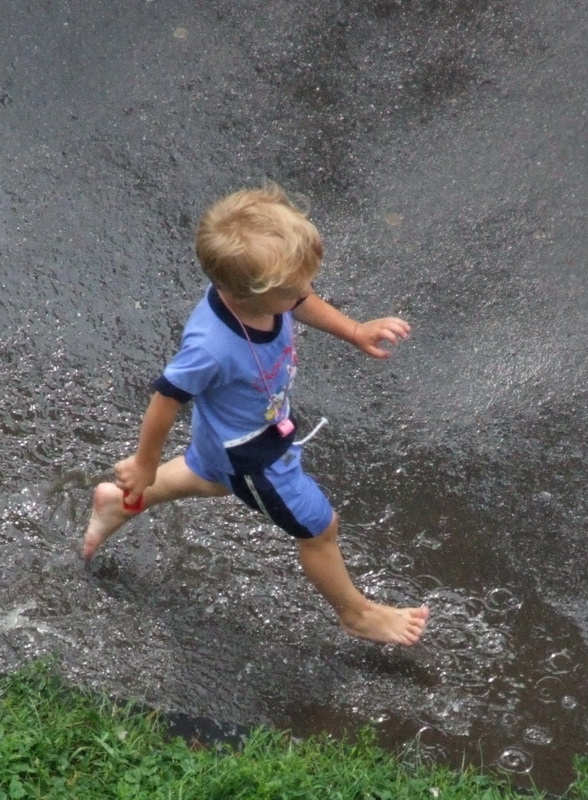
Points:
(282, 492)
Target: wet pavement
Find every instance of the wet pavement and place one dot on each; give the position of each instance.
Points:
(442, 151)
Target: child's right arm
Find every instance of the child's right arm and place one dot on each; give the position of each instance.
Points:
(136, 473)
(366, 336)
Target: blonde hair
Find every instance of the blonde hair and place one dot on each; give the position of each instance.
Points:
(255, 240)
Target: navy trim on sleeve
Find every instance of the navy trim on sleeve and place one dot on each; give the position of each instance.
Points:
(167, 389)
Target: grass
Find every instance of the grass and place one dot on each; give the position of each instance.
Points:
(58, 743)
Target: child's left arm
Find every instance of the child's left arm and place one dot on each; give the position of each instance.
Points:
(366, 336)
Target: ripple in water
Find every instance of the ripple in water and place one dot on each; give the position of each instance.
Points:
(560, 663)
(537, 735)
(515, 759)
(569, 703)
(423, 752)
(401, 562)
(548, 689)
(494, 643)
(501, 601)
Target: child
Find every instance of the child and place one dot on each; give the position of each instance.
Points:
(237, 362)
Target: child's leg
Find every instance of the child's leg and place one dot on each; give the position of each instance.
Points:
(324, 566)
(173, 481)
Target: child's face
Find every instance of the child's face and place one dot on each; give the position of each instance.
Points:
(279, 299)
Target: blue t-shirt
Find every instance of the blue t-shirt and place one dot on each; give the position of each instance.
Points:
(240, 387)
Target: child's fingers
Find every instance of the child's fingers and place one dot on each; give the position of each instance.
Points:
(388, 335)
(378, 352)
(398, 326)
(132, 502)
(390, 328)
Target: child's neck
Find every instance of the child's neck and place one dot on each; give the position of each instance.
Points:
(245, 311)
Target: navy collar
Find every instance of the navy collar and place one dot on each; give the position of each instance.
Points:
(255, 335)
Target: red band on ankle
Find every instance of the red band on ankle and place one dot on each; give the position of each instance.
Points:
(137, 506)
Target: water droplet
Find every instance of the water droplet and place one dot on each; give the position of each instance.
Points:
(538, 735)
(425, 539)
(560, 663)
(569, 703)
(510, 720)
(548, 689)
(493, 643)
(514, 759)
(501, 601)
(401, 562)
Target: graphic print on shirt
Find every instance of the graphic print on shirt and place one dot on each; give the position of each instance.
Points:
(278, 405)
(226, 376)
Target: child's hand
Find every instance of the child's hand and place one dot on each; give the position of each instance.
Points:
(367, 336)
(133, 478)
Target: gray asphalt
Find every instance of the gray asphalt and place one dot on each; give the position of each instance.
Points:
(442, 150)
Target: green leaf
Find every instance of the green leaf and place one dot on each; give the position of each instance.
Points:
(16, 790)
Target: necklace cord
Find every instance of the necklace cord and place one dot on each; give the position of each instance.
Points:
(259, 367)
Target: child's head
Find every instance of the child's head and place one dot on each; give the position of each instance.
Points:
(255, 240)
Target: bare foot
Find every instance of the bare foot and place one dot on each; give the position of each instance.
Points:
(387, 624)
(107, 517)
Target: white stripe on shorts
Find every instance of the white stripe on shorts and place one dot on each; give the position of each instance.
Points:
(258, 500)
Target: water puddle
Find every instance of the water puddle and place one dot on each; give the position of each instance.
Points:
(213, 601)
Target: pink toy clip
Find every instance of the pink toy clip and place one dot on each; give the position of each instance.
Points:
(285, 427)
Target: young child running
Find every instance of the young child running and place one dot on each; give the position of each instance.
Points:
(237, 363)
